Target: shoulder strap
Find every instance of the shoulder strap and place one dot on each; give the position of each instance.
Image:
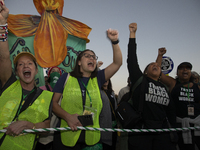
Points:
(142, 95)
(134, 87)
(142, 80)
(28, 100)
(31, 98)
(136, 84)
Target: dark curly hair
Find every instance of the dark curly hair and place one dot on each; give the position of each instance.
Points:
(76, 72)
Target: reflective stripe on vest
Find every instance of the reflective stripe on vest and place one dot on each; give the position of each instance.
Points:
(73, 104)
(37, 112)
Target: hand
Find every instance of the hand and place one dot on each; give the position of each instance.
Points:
(16, 128)
(73, 121)
(99, 64)
(162, 51)
(4, 12)
(112, 34)
(133, 27)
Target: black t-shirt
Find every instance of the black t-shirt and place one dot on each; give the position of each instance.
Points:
(157, 105)
(180, 98)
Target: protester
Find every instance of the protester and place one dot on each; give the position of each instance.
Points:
(81, 95)
(157, 107)
(123, 95)
(124, 90)
(46, 80)
(54, 74)
(107, 117)
(186, 96)
(22, 105)
(195, 77)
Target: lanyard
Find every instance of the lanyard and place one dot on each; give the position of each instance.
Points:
(22, 102)
(87, 92)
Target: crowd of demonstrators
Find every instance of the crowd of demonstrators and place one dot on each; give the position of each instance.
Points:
(87, 91)
(186, 96)
(158, 108)
(22, 104)
(107, 117)
(54, 74)
(81, 95)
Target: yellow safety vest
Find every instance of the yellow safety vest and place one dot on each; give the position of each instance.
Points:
(73, 104)
(37, 112)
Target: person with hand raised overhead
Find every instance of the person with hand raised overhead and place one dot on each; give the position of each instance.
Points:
(22, 104)
(81, 96)
(158, 109)
(186, 96)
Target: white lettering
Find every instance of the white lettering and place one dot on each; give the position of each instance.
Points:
(156, 99)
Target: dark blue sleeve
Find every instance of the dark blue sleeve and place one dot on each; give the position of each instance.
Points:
(101, 78)
(59, 87)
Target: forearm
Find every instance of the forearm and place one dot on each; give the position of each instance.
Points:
(116, 64)
(59, 111)
(4, 51)
(132, 34)
(117, 55)
(159, 59)
(31, 125)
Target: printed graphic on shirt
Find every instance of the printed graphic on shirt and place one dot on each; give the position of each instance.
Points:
(157, 94)
(185, 93)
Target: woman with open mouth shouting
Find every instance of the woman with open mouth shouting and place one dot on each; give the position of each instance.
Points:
(81, 97)
(186, 96)
(22, 104)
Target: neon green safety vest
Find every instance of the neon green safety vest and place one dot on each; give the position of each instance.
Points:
(37, 112)
(73, 104)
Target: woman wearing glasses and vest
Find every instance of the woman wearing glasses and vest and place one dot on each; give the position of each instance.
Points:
(22, 105)
(81, 95)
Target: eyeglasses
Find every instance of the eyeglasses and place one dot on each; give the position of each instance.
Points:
(89, 56)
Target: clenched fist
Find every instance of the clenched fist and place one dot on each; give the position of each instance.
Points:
(133, 27)
(112, 34)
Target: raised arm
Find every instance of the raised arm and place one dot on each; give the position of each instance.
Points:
(132, 29)
(5, 63)
(167, 80)
(117, 55)
(132, 60)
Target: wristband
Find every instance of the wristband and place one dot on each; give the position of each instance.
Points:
(115, 42)
(5, 25)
